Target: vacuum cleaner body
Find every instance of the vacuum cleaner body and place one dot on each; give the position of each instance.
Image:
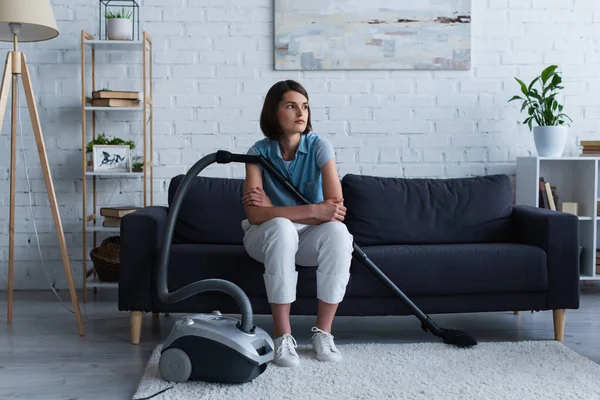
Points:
(212, 348)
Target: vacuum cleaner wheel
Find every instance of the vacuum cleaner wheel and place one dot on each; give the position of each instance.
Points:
(175, 365)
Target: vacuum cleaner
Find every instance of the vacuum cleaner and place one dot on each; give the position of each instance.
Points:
(216, 348)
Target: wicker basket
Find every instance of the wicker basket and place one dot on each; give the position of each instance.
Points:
(106, 259)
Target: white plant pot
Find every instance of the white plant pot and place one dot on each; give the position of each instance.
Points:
(550, 140)
(119, 29)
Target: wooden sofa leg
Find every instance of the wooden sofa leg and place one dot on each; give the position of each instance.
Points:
(517, 312)
(136, 326)
(559, 324)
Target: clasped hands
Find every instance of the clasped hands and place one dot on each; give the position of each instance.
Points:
(256, 197)
(328, 210)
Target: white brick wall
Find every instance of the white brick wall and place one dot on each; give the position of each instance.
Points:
(213, 65)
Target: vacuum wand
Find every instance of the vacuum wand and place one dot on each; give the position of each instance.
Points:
(450, 336)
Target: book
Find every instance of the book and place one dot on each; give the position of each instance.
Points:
(111, 223)
(115, 103)
(543, 198)
(111, 94)
(118, 212)
(590, 148)
(550, 196)
(547, 195)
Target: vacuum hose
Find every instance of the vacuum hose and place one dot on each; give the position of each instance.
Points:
(205, 285)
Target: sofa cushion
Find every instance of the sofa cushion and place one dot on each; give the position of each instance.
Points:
(382, 211)
(452, 269)
(211, 212)
(430, 270)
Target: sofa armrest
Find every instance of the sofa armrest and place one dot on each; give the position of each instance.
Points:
(141, 235)
(558, 234)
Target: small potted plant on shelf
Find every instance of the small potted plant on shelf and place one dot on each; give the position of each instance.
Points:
(102, 139)
(119, 25)
(138, 165)
(550, 134)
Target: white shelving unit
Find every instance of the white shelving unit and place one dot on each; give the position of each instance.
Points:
(576, 180)
(92, 221)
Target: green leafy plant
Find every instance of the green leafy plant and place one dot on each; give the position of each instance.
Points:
(542, 106)
(119, 14)
(102, 139)
(137, 165)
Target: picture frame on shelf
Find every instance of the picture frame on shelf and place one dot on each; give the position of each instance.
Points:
(111, 158)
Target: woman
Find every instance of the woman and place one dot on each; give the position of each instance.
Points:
(281, 231)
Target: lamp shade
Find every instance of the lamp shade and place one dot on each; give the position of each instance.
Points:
(35, 16)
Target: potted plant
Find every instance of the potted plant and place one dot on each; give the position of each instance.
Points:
(102, 139)
(550, 134)
(138, 165)
(119, 25)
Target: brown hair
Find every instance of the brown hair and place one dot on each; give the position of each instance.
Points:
(269, 123)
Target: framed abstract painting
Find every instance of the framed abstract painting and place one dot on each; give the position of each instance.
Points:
(372, 34)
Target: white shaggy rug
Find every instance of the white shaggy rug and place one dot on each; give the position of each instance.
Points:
(500, 370)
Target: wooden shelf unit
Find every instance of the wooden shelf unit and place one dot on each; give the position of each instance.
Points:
(91, 219)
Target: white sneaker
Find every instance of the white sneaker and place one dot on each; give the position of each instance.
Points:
(285, 351)
(324, 347)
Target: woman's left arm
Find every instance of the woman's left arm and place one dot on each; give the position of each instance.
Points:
(332, 187)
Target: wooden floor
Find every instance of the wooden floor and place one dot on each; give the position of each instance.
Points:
(43, 357)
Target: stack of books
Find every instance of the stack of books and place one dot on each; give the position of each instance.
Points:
(112, 215)
(591, 148)
(110, 98)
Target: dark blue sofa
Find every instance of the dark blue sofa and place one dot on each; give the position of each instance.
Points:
(452, 245)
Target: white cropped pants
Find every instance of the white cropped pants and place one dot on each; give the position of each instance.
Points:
(280, 244)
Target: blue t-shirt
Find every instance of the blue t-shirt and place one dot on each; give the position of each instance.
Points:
(304, 171)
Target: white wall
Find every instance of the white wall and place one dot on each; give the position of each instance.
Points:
(213, 65)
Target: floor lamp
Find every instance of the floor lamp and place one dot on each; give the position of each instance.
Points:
(29, 21)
